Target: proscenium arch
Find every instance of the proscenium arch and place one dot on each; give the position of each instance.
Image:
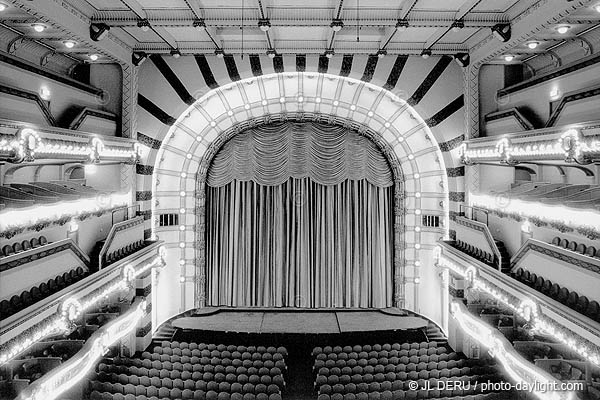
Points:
(185, 153)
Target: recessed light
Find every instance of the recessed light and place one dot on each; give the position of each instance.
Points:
(69, 44)
(94, 57)
(508, 57)
(533, 45)
(38, 27)
(563, 29)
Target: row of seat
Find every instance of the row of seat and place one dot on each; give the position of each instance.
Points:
(580, 248)
(165, 344)
(152, 390)
(186, 394)
(37, 293)
(205, 354)
(414, 394)
(187, 380)
(24, 245)
(571, 299)
(376, 347)
(475, 252)
(363, 355)
(124, 251)
(400, 367)
(383, 361)
(186, 370)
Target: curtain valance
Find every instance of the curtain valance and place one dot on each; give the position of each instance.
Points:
(272, 154)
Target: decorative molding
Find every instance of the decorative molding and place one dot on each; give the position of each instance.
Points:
(585, 94)
(451, 144)
(446, 112)
(512, 112)
(31, 96)
(89, 112)
(38, 253)
(148, 141)
(458, 197)
(141, 169)
(143, 195)
(455, 172)
(563, 256)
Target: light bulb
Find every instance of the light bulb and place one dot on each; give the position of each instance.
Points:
(69, 44)
(509, 57)
(563, 29)
(3, 7)
(533, 45)
(94, 57)
(39, 27)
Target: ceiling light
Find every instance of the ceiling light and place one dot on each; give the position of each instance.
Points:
(220, 53)
(3, 7)
(597, 8)
(94, 57)
(381, 53)
(98, 31)
(144, 25)
(501, 32)
(199, 24)
(264, 24)
(175, 53)
(271, 53)
(563, 29)
(533, 45)
(329, 53)
(426, 53)
(462, 59)
(38, 27)
(457, 26)
(508, 57)
(402, 25)
(337, 24)
(138, 57)
(69, 44)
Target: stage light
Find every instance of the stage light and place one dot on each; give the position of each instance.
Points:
(98, 31)
(264, 24)
(508, 57)
(144, 25)
(69, 44)
(329, 53)
(138, 58)
(502, 32)
(175, 53)
(533, 45)
(381, 53)
(426, 53)
(271, 53)
(402, 25)
(220, 53)
(337, 24)
(199, 24)
(563, 29)
(94, 57)
(3, 7)
(457, 26)
(462, 59)
(39, 28)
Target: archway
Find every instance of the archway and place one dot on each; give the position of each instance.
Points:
(389, 121)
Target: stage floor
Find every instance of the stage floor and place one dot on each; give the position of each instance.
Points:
(299, 320)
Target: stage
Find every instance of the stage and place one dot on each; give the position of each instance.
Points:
(299, 321)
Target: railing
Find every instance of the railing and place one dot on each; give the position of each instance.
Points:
(472, 213)
(483, 228)
(120, 226)
(128, 215)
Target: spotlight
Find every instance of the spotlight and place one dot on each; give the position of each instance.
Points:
(69, 44)
(175, 53)
(138, 57)
(199, 24)
(462, 59)
(94, 57)
(39, 28)
(3, 7)
(271, 53)
(501, 32)
(508, 57)
(426, 53)
(264, 24)
(220, 53)
(402, 25)
(98, 31)
(329, 53)
(337, 25)
(533, 45)
(563, 29)
(381, 53)
(457, 26)
(144, 25)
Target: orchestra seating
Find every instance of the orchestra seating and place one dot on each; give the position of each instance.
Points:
(194, 371)
(385, 371)
(27, 298)
(581, 304)
(580, 248)
(24, 245)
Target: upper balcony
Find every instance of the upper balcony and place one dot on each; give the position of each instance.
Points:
(577, 143)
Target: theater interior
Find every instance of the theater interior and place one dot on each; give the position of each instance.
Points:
(295, 200)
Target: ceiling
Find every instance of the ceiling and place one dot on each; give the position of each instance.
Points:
(297, 27)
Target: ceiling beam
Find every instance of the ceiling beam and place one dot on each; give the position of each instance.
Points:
(136, 7)
(166, 36)
(466, 8)
(437, 35)
(195, 7)
(407, 8)
(75, 25)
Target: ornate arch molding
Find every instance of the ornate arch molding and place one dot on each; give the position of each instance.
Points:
(386, 149)
(404, 137)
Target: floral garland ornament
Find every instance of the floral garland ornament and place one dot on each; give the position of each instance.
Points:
(96, 148)
(570, 142)
(29, 140)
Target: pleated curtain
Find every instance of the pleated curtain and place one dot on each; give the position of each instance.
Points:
(299, 215)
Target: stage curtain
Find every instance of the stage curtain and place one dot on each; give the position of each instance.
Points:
(299, 244)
